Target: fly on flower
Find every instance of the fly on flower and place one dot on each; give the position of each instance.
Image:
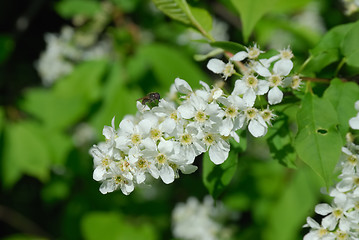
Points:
(150, 98)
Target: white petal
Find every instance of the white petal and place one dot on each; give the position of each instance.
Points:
(323, 209)
(165, 146)
(186, 111)
(188, 169)
(167, 174)
(239, 56)
(261, 70)
(127, 126)
(249, 97)
(140, 177)
(217, 154)
(226, 127)
(275, 96)
(329, 222)
(345, 185)
(216, 65)
(107, 132)
(256, 129)
(312, 223)
(283, 67)
(98, 173)
(262, 87)
(182, 86)
(354, 123)
(168, 125)
(205, 85)
(240, 87)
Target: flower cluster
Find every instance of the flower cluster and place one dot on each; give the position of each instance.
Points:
(341, 217)
(196, 220)
(73, 45)
(351, 6)
(161, 141)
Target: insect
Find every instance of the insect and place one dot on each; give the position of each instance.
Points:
(150, 98)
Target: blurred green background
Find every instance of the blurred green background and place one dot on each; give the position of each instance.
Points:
(48, 125)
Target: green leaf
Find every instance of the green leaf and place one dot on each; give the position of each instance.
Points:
(318, 142)
(293, 205)
(232, 47)
(169, 63)
(349, 45)
(70, 8)
(112, 226)
(217, 177)
(118, 99)
(327, 51)
(180, 10)
(280, 142)
(343, 95)
(67, 101)
(25, 152)
(251, 11)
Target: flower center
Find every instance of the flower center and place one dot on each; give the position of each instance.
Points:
(353, 160)
(251, 81)
(136, 139)
(286, 54)
(105, 162)
(356, 181)
(337, 213)
(228, 70)
(208, 139)
(186, 139)
(322, 232)
(123, 165)
(200, 116)
(251, 113)
(253, 52)
(161, 158)
(267, 115)
(296, 81)
(142, 163)
(231, 112)
(156, 134)
(275, 81)
(174, 115)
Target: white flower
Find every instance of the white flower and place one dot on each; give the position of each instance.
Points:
(199, 221)
(188, 144)
(233, 107)
(256, 124)
(250, 86)
(220, 67)
(317, 231)
(336, 214)
(103, 156)
(251, 53)
(218, 147)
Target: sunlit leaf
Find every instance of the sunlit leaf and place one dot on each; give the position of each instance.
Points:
(112, 226)
(180, 10)
(71, 8)
(250, 12)
(294, 204)
(25, 152)
(327, 51)
(169, 63)
(349, 46)
(318, 142)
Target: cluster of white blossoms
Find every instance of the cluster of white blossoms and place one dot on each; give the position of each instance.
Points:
(159, 142)
(341, 217)
(194, 220)
(63, 52)
(351, 6)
